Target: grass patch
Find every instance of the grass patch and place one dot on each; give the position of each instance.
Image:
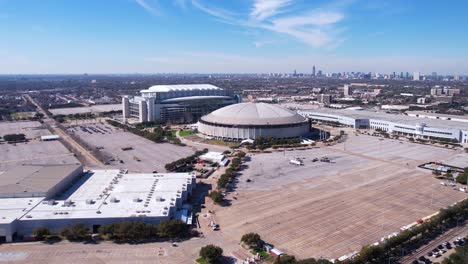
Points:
(221, 143)
(185, 133)
(263, 254)
(202, 261)
(22, 115)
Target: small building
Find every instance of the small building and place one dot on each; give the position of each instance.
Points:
(276, 252)
(215, 157)
(50, 137)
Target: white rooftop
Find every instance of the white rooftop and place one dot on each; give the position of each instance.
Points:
(397, 118)
(137, 195)
(253, 114)
(213, 156)
(14, 208)
(179, 87)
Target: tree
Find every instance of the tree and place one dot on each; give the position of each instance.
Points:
(463, 178)
(251, 239)
(216, 196)
(286, 259)
(172, 228)
(211, 253)
(76, 233)
(41, 232)
(459, 257)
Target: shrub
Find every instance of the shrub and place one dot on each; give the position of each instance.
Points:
(251, 239)
(41, 232)
(216, 196)
(211, 253)
(77, 232)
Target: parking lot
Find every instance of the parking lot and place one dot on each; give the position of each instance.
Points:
(86, 109)
(128, 151)
(31, 129)
(370, 189)
(34, 151)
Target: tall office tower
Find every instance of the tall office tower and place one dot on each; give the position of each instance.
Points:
(319, 73)
(313, 71)
(295, 73)
(434, 76)
(394, 75)
(457, 77)
(347, 90)
(324, 99)
(416, 76)
(407, 76)
(401, 75)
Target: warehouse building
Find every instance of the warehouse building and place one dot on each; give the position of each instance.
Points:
(401, 124)
(251, 120)
(177, 103)
(99, 197)
(38, 180)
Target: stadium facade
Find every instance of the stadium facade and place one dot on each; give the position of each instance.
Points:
(413, 126)
(184, 103)
(251, 120)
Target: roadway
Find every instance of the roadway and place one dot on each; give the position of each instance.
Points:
(85, 156)
(450, 235)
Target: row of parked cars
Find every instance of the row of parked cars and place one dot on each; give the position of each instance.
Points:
(439, 251)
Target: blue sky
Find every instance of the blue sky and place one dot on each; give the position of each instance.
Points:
(238, 36)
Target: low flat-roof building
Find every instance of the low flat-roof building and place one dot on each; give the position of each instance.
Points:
(38, 180)
(100, 197)
(215, 157)
(420, 127)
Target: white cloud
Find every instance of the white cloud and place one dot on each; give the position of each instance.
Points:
(314, 18)
(152, 9)
(263, 9)
(315, 27)
(220, 13)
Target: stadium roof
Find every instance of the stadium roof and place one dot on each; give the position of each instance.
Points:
(193, 98)
(253, 114)
(179, 87)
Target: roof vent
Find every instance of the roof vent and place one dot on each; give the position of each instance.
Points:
(114, 200)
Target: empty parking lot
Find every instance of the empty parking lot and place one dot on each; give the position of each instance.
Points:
(142, 155)
(371, 189)
(34, 151)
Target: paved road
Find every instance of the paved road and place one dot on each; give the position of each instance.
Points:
(450, 235)
(76, 148)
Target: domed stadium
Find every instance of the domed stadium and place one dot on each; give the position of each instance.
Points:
(250, 120)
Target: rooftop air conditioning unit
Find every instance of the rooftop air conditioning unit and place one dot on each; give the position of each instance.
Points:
(136, 199)
(114, 200)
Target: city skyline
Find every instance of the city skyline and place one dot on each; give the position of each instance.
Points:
(257, 36)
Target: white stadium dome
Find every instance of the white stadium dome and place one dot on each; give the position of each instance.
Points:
(251, 120)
